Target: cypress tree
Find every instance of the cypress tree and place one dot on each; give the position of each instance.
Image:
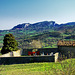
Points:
(9, 44)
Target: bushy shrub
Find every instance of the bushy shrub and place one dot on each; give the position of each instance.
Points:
(9, 44)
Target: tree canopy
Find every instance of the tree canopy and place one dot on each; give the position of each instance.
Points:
(9, 44)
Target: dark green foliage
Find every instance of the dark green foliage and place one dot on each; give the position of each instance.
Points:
(9, 44)
(70, 37)
(46, 35)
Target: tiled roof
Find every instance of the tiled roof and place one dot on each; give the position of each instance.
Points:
(66, 43)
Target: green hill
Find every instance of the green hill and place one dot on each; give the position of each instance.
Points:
(48, 32)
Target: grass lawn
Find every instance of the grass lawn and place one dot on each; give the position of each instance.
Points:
(66, 67)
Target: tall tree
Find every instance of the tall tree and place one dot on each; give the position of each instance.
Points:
(9, 44)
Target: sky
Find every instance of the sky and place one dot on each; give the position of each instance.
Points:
(14, 12)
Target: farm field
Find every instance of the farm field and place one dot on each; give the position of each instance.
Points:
(66, 67)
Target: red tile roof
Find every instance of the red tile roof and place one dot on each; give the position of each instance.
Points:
(66, 43)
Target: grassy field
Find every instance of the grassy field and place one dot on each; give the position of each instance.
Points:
(66, 67)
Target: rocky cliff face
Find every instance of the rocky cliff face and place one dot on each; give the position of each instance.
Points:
(20, 26)
(45, 25)
(40, 26)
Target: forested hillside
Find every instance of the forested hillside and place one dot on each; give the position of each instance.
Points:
(47, 33)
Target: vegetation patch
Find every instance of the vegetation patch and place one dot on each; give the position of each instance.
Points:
(66, 67)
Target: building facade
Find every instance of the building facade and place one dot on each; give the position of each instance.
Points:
(67, 48)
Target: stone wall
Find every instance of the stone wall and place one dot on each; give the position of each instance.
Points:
(11, 54)
(7, 55)
(17, 53)
(28, 59)
(16, 58)
(56, 57)
(68, 51)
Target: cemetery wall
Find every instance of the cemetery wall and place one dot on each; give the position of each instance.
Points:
(68, 51)
(28, 59)
(41, 50)
(11, 54)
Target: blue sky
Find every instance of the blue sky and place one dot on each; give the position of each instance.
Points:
(13, 12)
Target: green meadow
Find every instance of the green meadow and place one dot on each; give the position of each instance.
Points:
(66, 67)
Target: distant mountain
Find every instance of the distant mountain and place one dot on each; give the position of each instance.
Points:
(44, 26)
(48, 32)
(69, 23)
(40, 26)
(20, 26)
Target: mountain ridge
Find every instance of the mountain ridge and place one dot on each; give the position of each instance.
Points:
(50, 24)
(48, 32)
(43, 23)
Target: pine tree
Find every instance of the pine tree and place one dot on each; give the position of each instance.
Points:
(9, 44)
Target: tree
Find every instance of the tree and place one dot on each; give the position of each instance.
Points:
(9, 44)
(36, 44)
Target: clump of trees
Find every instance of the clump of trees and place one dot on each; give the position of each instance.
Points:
(36, 44)
(9, 44)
